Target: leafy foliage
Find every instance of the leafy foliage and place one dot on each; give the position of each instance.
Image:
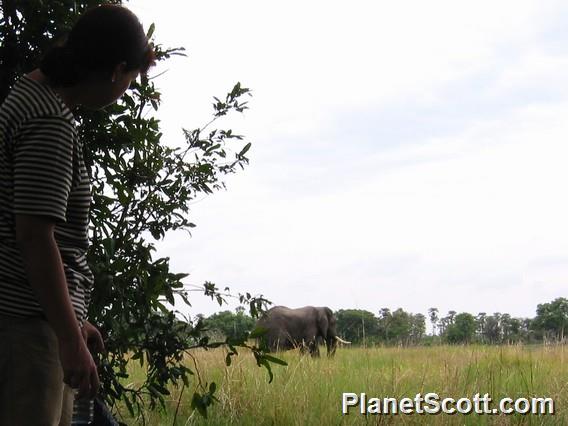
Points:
(398, 327)
(462, 330)
(357, 326)
(403, 328)
(552, 318)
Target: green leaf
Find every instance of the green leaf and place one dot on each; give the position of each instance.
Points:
(275, 360)
(162, 389)
(266, 365)
(244, 150)
(198, 404)
(151, 31)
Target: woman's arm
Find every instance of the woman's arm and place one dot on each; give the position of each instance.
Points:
(44, 269)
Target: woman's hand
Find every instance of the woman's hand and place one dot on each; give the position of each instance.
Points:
(92, 337)
(79, 369)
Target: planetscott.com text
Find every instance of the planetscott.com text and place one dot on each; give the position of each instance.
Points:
(432, 403)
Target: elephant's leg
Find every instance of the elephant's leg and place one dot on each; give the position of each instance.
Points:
(331, 345)
(314, 348)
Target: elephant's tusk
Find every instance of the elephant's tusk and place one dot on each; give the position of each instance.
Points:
(340, 340)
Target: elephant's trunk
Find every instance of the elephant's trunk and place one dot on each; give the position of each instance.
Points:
(340, 340)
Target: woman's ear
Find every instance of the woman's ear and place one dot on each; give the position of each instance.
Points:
(118, 72)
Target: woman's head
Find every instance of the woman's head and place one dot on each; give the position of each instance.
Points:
(107, 43)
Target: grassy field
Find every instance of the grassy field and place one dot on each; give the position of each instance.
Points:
(309, 391)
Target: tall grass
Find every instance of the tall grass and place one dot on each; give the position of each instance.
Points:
(308, 391)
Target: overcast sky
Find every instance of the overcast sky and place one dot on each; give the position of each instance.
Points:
(405, 154)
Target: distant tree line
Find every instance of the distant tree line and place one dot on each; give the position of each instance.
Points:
(399, 327)
(549, 325)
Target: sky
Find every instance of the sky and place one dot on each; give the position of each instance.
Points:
(404, 154)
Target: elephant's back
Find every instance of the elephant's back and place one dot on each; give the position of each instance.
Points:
(284, 311)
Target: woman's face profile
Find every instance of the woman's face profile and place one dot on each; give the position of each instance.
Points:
(106, 91)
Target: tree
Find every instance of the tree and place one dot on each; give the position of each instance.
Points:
(528, 331)
(462, 329)
(229, 324)
(511, 328)
(446, 321)
(480, 325)
(552, 318)
(400, 327)
(493, 333)
(417, 328)
(141, 191)
(433, 314)
(358, 326)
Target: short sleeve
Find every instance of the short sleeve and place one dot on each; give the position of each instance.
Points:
(43, 167)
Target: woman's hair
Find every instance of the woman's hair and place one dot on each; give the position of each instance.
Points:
(102, 38)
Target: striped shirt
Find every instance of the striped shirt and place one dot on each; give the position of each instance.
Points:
(42, 173)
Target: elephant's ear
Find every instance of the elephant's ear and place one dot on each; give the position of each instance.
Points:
(330, 316)
(322, 321)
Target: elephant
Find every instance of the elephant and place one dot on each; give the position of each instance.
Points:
(306, 328)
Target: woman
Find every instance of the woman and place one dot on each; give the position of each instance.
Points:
(45, 282)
